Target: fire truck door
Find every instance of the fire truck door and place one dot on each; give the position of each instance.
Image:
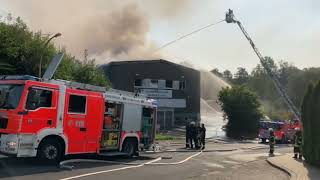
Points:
(41, 109)
(74, 124)
(94, 122)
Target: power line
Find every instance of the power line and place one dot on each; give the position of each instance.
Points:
(186, 35)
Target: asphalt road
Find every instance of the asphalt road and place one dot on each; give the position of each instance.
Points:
(240, 164)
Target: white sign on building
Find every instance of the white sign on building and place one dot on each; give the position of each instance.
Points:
(172, 103)
(156, 93)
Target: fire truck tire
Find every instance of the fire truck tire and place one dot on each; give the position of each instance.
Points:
(130, 147)
(50, 150)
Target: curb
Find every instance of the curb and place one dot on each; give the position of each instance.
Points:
(292, 175)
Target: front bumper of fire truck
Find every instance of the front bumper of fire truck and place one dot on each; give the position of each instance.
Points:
(9, 144)
(20, 145)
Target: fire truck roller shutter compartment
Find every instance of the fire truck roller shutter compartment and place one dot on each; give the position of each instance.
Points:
(132, 118)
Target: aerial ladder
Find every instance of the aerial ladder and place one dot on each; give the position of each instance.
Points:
(230, 18)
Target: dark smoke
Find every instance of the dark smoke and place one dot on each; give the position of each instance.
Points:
(108, 29)
(116, 34)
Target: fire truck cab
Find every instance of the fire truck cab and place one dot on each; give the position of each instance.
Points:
(55, 118)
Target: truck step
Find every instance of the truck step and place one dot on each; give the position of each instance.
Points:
(112, 154)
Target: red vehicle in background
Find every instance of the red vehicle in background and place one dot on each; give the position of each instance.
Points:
(283, 130)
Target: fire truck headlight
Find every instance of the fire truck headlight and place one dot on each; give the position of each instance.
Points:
(11, 144)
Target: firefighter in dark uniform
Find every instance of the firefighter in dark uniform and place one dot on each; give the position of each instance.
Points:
(197, 140)
(203, 136)
(297, 147)
(193, 135)
(272, 142)
(188, 136)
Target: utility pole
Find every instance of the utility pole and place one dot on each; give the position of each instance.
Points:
(230, 18)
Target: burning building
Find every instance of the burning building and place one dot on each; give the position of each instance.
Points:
(176, 87)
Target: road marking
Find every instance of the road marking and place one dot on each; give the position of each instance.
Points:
(111, 170)
(180, 162)
(153, 162)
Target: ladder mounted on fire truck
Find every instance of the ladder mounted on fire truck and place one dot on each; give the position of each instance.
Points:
(230, 18)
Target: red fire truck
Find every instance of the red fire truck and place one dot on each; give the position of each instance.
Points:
(53, 118)
(283, 131)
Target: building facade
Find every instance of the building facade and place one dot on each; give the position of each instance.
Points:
(176, 87)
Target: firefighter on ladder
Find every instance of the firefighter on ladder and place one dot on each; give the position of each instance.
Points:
(297, 149)
(272, 142)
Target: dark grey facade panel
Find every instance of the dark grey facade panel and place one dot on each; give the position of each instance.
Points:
(122, 75)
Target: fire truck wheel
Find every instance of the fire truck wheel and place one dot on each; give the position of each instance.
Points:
(129, 147)
(50, 151)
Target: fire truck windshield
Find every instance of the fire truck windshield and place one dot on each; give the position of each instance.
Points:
(10, 95)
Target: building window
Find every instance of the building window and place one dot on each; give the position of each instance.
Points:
(38, 98)
(77, 104)
(138, 82)
(154, 82)
(176, 85)
(182, 85)
(161, 84)
(169, 84)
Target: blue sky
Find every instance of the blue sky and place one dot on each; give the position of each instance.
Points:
(283, 29)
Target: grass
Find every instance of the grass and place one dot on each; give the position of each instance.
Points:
(162, 137)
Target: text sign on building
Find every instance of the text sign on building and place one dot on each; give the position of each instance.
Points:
(157, 93)
(172, 103)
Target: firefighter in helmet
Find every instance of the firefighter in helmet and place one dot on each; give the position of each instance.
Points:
(203, 136)
(297, 147)
(272, 141)
(188, 135)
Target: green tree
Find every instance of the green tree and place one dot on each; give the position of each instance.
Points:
(294, 80)
(242, 109)
(227, 75)
(270, 64)
(261, 84)
(241, 77)
(306, 118)
(6, 68)
(311, 123)
(88, 72)
(21, 49)
(315, 124)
